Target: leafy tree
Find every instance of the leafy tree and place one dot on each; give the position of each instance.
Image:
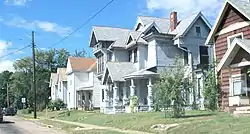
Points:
(5, 79)
(211, 89)
(62, 57)
(172, 86)
(81, 53)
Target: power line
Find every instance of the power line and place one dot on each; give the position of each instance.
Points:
(15, 51)
(87, 21)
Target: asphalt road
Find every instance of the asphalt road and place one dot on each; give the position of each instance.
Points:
(14, 125)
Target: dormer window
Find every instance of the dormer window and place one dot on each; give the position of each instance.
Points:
(152, 30)
(198, 31)
(135, 55)
(230, 39)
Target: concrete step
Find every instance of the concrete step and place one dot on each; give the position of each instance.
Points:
(243, 108)
(241, 112)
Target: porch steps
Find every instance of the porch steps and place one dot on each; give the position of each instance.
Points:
(243, 110)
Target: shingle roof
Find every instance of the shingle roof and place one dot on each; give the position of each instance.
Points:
(162, 23)
(137, 36)
(81, 64)
(62, 74)
(93, 67)
(111, 34)
(118, 69)
(243, 6)
(141, 73)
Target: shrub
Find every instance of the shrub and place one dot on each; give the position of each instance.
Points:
(57, 104)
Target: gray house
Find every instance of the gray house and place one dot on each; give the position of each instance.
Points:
(129, 60)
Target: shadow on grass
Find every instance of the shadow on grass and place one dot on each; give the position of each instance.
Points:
(198, 115)
(7, 122)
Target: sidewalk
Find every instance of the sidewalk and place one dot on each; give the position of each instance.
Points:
(89, 126)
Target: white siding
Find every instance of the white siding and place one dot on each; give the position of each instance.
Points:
(71, 90)
(142, 56)
(151, 54)
(96, 91)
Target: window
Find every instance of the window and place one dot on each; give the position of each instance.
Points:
(103, 95)
(238, 85)
(230, 39)
(135, 55)
(100, 64)
(204, 57)
(130, 56)
(185, 56)
(198, 31)
(110, 55)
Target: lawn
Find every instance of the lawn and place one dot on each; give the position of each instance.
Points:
(73, 129)
(195, 122)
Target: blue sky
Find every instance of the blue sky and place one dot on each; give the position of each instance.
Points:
(54, 19)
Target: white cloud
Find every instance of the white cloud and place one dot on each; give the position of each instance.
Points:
(39, 25)
(6, 65)
(186, 7)
(16, 2)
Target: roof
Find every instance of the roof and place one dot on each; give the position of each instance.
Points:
(141, 73)
(162, 23)
(93, 67)
(62, 74)
(242, 6)
(184, 26)
(232, 51)
(117, 70)
(80, 63)
(111, 34)
(53, 79)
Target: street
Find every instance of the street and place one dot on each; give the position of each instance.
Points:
(14, 125)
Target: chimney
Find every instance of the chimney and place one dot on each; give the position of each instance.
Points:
(173, 20)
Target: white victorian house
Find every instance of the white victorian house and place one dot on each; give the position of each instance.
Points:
(83, 86)
(58, 85)
(129, 60)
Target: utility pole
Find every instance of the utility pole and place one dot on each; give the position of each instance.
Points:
(34, 72)
(8, 102)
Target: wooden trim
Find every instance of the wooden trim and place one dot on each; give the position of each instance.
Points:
(232, 36)
(233, 27)
(241, 64)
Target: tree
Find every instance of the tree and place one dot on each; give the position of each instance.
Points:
(81, 53)
(211, 89)
(5, 78)
(172, 86)
(62, 57)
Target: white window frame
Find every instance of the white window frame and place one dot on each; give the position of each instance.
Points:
(234, 78)
(233, 36)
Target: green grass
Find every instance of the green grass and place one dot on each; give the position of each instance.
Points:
(72, 128)
(195, 122)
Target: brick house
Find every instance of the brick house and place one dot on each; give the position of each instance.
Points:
(230, 36)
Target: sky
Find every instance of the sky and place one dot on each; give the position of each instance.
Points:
(52, 20)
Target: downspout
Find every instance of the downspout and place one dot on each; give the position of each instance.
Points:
(192, 76)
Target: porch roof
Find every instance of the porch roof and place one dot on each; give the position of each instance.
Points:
(139, 74)
(232, 51)
(116, 70)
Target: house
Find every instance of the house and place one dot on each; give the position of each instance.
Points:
(130, 60)
(230, 38)
(83, 86)
(58, 85)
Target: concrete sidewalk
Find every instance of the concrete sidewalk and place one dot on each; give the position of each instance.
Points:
(89, 126)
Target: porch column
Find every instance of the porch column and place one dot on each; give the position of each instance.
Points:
(106, 96)
(132, 88)
(150, 98)
(125, 97)
(115, 94)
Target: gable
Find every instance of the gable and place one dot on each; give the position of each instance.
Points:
(130, 39)
(68, 68)
(152, 30)
(138, 27)
(241, 56)
(203, 28)
(93, 40)
(230, 17)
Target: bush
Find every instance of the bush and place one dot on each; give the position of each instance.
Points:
(57, 104)
(27, 111)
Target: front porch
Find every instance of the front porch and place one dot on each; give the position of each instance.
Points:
(84, 100)
(237, 63)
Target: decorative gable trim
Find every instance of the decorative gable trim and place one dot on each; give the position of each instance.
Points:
(91, 39)
(220, 18)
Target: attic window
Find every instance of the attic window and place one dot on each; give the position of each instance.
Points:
(152, 30)
(230, 39)
(198, 31)
(129, 40)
